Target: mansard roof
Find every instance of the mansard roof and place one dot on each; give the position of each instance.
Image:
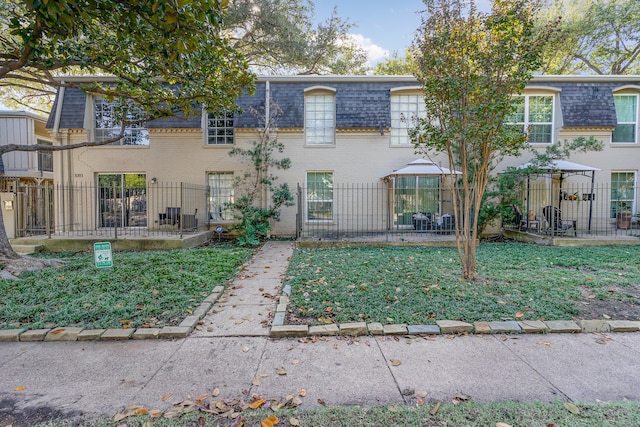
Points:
(363, 101)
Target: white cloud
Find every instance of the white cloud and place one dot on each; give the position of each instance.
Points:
(374, 52)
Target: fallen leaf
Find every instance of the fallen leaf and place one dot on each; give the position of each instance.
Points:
(281, 371)
(302, 393)
(155, 413)
(294, 422)
(434, 411)
(322, 402)
(503, 425)
(606, 316)
(256, 380)
(274, 420)
(19, 389)
(519, 315)
(166, 396)
(395, 362)
(266, 423)
(119, 417)
(420, 401)
(215, 392)
(421, 393)
(295, 362)
(258, 403)
(57, 331)
(544, 343)
(142, 411)
(172, 414)
(461, 396)
(571, 408)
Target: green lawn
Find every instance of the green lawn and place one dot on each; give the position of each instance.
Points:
(421, 285)
(150, 289)
(619, 414)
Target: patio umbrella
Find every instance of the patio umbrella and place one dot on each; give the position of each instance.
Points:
(421, 167)
(564, 168)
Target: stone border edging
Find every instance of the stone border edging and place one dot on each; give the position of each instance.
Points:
(280, 330)
(187, 326)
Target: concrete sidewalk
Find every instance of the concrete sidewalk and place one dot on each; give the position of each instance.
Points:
(231, 349)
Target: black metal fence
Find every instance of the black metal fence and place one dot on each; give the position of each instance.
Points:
(113, 210)
(384, 212)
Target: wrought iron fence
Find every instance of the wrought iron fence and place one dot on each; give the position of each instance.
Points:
(112, 210)
(387, 212)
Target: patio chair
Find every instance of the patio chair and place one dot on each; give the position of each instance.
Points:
(170, 217)
(553, 216)
(446, 224)
(422, 221)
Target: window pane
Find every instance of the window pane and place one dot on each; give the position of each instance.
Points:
(540, 109)
(220, 128)
(221, 195)
(320, 119)
(624, 133)
(627, 115)
(319, 196)
(405, 110)
(107, 127)
(518, 114)
(540, 134)
(626, 108)
(622, 192)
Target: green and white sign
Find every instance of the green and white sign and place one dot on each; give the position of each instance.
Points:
(102, 254)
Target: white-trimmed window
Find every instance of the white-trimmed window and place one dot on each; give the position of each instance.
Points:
(220, 129)
(534, 115)
(45, 158)
(220, 195)
(106, 125)
(623, 190)
(320, 118)
(319, 196)
(405, 110)
(626, 131)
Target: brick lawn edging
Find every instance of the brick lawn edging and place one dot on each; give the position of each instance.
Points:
(79, 334)
(279, 329)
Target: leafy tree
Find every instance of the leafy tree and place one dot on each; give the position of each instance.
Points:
(167, 58)
(596, 36)
(275, 36)
(470, 64)
(396, 65)
(254, 215)
(279, 37)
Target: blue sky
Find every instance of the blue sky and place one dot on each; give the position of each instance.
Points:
(382, 26)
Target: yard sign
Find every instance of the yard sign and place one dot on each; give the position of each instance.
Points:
(102, 254)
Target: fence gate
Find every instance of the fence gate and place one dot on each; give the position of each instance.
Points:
(34, 210)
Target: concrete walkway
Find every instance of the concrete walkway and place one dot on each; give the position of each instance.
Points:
(231, 351)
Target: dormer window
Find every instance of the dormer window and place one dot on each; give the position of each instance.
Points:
(534, 115)
(626, 131)
(106, 125)
(406, 109)
(320, 117)
(220, 128)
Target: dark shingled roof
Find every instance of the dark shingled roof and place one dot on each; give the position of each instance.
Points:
(363, 104)
(587, 104)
